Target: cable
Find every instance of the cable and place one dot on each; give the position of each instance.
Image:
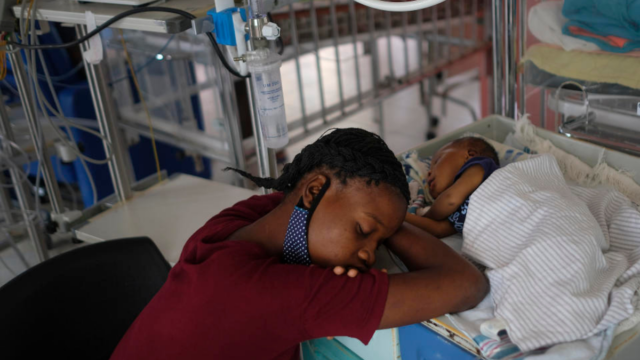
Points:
(123, 15)
(223, 59)
(150, 61)
(11, 88)
(31, 65)
(65, 76)
(11, 163)
(105, 25)
(61, 116)
(144, 103)
(74, 197)
(68, 124)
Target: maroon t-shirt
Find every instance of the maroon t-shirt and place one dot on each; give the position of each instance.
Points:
(230, 300)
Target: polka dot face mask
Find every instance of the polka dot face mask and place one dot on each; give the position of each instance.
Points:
(296, 245)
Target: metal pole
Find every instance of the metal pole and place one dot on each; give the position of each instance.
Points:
(375, 63)
(488, 20)
(262, 152)
(462, 34)
(316, 41)
(543, 108)
(232, 119)
(28, 104)
(474, 20)
(334, 25)
(107, 123)
(354, 37)
(406, 46)
(510, 58)
(420, 38)
(447, 14)
(387, 15)
(522, 22)
(497, 57)
(273, 164)
(21, 190)
(296, 47)
(381, 118)
(434, 50)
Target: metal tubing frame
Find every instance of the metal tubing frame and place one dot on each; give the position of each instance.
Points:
(375, 62)
(387, 22)
(522, 37)
(510, 58)
(420, 38)
(434, 51)
(447, 14)
(382, 95)
(354, 40)
(262, 152)
(498, 69)
(296, 46)
(28, 104)
(334, 25)
(406, 46)
(232, 119)
(474, 20)
(461, 16)
(107, 123)
(22, 191)
(316, 41)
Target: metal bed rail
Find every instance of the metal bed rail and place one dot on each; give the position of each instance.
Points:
(442, 35)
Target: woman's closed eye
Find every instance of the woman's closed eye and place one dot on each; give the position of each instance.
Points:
(360, 231)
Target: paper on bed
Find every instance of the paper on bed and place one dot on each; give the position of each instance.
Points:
(564, 265)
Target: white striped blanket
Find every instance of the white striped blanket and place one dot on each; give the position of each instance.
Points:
(563, 262)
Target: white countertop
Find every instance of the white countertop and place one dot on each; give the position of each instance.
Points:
(168, 213)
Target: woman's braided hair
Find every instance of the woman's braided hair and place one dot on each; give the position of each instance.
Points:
(351, 153)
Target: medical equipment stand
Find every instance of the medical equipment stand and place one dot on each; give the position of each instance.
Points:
(25, 200)
(121, 172)
(70, 11)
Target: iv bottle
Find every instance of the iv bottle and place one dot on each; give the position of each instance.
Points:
(269, 98)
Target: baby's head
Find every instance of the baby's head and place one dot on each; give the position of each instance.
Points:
(448, 161)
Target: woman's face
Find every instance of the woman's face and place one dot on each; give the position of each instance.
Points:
(352, 221)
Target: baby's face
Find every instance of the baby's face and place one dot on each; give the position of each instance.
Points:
(445, 164)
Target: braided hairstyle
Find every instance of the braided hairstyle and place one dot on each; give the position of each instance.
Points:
(350, 153)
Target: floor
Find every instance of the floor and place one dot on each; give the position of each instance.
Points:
(404, 117)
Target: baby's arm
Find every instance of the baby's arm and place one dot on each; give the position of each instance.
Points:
(451, 199)
(437, 228)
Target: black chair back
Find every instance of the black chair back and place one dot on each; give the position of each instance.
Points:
(78, 305)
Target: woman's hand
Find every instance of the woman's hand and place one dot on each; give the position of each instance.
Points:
(339, 270)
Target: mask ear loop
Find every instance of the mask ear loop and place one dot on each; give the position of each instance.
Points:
(316, 201)
(314, 205)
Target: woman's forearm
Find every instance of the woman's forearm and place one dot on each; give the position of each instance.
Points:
(440, 281)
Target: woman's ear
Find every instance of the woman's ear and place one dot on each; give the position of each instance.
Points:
(312, 188)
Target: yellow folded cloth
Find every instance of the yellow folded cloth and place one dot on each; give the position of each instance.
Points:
(588, 66)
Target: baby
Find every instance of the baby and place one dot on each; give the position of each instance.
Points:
(457, 170)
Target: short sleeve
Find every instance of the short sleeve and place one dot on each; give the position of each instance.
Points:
(344, 306)
(302, 303)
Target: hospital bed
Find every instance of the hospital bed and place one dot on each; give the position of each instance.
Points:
(435, 338)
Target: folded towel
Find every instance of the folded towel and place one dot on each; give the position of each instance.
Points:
(613, 25)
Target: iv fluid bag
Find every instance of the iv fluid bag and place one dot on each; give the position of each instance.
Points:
(269, 99)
